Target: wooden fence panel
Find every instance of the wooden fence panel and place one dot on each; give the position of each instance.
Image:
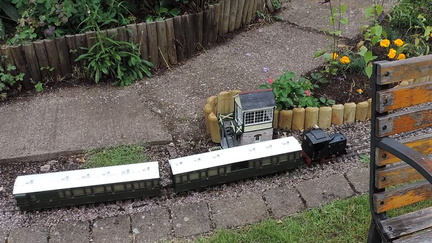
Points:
(153, 44)
(42, 58)
(221, 17)
(251, 10)
(180, 41)
(132, 33)
(113, 34)
(232, 15)
(213, 25)
(217, 14)
(270, 6)
(7, 58)
(189, 35)
(63, 54)
(123, 33)
(81, 40)
(172, 53)
(21, 65)
(162, 42)
(246, 11)
(90, 38)
(226, 16)
(239, 14)
(143, 41)
(73, 50)
(199, 29)
(53, 59)
(31, 58)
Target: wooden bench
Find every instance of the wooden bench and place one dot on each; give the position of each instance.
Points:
(401, 170)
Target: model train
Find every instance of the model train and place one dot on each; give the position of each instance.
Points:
(38, 191)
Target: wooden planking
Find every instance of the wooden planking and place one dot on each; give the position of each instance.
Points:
(400, 70)
(42, 58)
(216, 23)
(123, 33)
(270, 6)
(153, 44)
(403, 196)
(113, 34)
(232, 15)
(239, 17)
(408, 223)
(423, 236)
(171, 48)
(73, 49)
(221, 17)
(21, 65)
(180, 41)
(132, 33)
(402, 97)
(226, 16)
(63, 54)
(143, 41)
(189, 35)
(90, 38)
(199, 29)
(213, 25)
(7, 58)
(422, 144)
(53, 59)
(31, 59)
(404, 121)
(395, 175)
(245, 11)
(207, 29)
(162, 46)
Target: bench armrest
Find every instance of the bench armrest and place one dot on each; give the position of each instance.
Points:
(418, 161)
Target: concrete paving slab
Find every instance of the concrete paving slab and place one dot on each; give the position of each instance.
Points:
(191, 219)
(322, 190)
(113, 229)
(151, 226)
(30, 234)
(283, 201)
(71, 232)
(360, 180)
(232, 212)
(312, 14)
(76, 119)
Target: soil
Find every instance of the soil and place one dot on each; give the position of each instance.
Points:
(355, 87)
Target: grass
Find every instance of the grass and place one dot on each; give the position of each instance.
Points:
(118, 155)
(341, 221)
(344, 220)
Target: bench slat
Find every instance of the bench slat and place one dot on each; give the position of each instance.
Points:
(395, 175)
(400, 70)
(402, 97)
(400, 197)
(422, 144)
(425, 236)
(404, 121)
(408, 223)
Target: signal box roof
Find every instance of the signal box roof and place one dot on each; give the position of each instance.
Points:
(257, 99)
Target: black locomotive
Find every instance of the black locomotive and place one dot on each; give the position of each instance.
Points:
(318, 146)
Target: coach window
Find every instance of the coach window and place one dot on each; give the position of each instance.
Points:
(61, 194)
(194, 176)
(177, 179)
(108, 188)
(129, 186)
(78, 192)
(212, 172)
(67, 193)
(266, 161)
(98, 189)
(283, 158)
(118, 187)
(88, 191)
(203, 174)
(33, 197)
(136, 185)
(240, 165)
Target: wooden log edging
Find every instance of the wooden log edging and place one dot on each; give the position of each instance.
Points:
(296, 119)
(163, 43)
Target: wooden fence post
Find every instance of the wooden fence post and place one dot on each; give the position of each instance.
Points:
(73, 50)
(31, 58)
(21, 65)
(285, 119)
(325, 117)
(153, 44)
(349, 112)
(298, 119)
(53, 59)
(162, 43)
(311, 117)
(232, 15)
(361, 111)
(226, 16)
(171, 48)
(239, 17)
(63, 54)
(180, 41)
(143, 41)
(42, 58)
(337, 114)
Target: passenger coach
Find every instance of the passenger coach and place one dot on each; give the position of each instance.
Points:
(231, 164)
(34, 192)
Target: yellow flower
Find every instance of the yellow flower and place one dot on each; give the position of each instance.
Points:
(334, 56)
(430, 35)
(360, 91)
(401, 56)
(385, 43)
(398, 42)
(345, 60)
(392, 53)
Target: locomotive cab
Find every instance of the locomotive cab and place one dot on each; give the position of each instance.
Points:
(318, 146)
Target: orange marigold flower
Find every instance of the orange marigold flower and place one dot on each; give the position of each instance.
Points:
(345, 60)
(392, 53)
(398, 42)
(401, 56)
(430, 35)
(385, 43)
(334, 56)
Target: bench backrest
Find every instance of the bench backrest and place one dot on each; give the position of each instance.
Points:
(396, 112)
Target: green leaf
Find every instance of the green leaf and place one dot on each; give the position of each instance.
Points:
(344, 21)
(368, 71)
(319, 53)
(39, 87)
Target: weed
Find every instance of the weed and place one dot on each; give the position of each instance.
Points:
(119, 155)
(365, 159)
